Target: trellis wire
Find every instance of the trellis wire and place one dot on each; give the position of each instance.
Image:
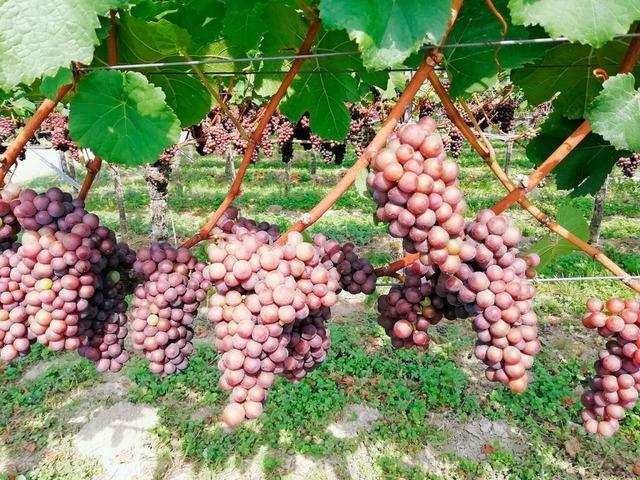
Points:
(219, 59)
(546, 280)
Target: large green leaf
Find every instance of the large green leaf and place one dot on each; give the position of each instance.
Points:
(615, 113)
(50, 85)
(387, 31)
(38, 37)
(122, 118)
(568, 69)
(243, 25)
(585, 169)
(285, 30)
(550, 248)
(475, 69)
(592, 22)
(321, 88)
(186, 95)
(203, 19)
(141, 41)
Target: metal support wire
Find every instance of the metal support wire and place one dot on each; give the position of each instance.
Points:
(219, 59)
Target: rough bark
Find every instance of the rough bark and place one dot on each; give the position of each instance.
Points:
(598, 212)
(157, 176)
(122, 213)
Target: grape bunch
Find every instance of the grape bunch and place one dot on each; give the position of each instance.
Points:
(356, 273)
(427, 108)
(56, 129)
(269, 310)
(165, 305)
(616, 385)
(168, 153)
(629, 164)
(361, 131)
(417, 192)
(8, 128)
(406, 312)
(9, 226)
(504, 115)
(63, 281)
(456, 141)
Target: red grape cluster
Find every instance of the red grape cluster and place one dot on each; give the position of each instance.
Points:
(284, 131)
(504, 114)
(56, 129)
(269, 309)
(168, 153)
(165, 305)
(9, 226)
(616, 385)
(361, 128)
(417, 192)
(629, 164)
(356, 273)
(406, 312)
(63, 283)
(497, 290)
(8, 128)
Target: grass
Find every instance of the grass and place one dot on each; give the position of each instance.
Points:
(420, 397)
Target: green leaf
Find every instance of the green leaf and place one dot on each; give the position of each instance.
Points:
(592, 22)
(50, 85)
(243, 25)
(475, 69)
(322, 90)
(186, 95)
(387, 31)
(147, 42)
(585, 169)
(38, 37)
(122, 118)
(615, 113)
(285, 31)
(550, 248)
(203, 19)
(568, 69)
(361, 183)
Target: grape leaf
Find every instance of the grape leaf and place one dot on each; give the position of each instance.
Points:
(38, 37)
(322, 89)
(203, 19)
(585, 169)
(185, 94)
(568, 69)
(140, 41)
(243, 25)
(592, 22)
(387, 32)
(551, 247)
(474, 69)
(615, 112)
(50, 85)
(285, 31)
(122, 118)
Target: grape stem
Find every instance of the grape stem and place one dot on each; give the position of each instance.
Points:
(94, 166)
(257, 133)
(245, 136)
(567, 146)
(15, 147)
(432, 58)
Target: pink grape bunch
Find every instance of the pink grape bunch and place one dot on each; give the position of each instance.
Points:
(269, 310)
(165, 305)
(9, 226)
(356, 273)
(62, 285)
(616, 385)
(406, 312)
(417, 192)
(497, 290)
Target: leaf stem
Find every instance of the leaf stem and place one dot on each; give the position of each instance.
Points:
(217, 98)
(255, 136)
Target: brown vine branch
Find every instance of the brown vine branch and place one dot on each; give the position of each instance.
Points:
(432, 58)
(628, 62)
(488, 154)
(93, 168)
(255, 136)
(217, 98)
(11, 154)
